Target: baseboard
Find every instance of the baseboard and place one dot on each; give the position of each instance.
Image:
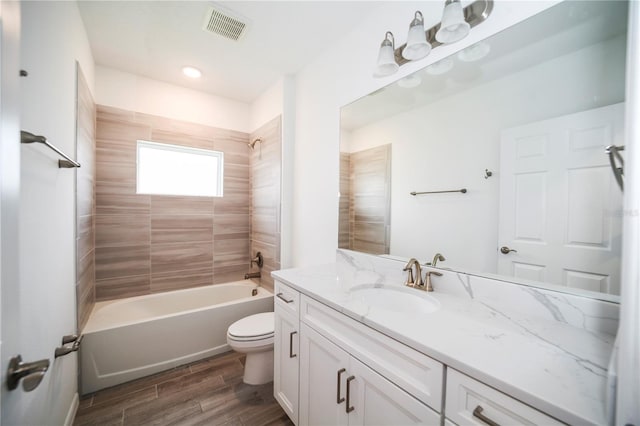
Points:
(73, 409)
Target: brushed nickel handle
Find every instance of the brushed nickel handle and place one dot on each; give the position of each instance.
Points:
(291, 354)
(281, 297)
(478, 414)
(31, 372)
(507, 250)
(347, 407)
(338, 399)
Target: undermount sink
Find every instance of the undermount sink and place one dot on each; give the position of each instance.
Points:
(396, 299)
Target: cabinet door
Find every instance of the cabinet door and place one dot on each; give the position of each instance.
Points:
(286, 357)
(320, 362)
(377, 401)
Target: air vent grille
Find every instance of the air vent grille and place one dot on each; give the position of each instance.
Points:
(223, 23)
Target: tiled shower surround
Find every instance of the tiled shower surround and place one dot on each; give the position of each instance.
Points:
(150, 243)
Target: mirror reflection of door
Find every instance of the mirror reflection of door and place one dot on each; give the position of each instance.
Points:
(560, 207)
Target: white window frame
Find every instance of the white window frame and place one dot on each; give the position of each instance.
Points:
(181, 149)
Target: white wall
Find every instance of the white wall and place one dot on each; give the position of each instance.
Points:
(448, 145)
(339, 76)
(135, 93)
(53, 39)
(267, 106)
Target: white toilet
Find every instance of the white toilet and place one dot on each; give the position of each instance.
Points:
(253, 335)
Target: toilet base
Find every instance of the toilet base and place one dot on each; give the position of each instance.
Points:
(258, 368)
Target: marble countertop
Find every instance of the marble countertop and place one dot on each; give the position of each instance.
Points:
(549, 363)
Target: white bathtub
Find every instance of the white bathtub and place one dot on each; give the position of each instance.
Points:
(130, 338)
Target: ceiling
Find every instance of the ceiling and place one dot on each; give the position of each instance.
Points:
(156, 39)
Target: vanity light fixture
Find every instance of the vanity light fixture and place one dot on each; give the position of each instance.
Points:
(410, 81)
(475, 52)
(417, 46)
(456, 24)
(441, 67)
(453, 26)
(386, 64)
(191, 72)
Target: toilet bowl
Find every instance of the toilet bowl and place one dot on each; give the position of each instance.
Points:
(253, 335)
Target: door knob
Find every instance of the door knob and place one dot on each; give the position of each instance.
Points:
(507, 250)
(32, 372)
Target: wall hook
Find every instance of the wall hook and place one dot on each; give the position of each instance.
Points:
(487, 173)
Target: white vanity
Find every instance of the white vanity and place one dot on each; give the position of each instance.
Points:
(353, 345)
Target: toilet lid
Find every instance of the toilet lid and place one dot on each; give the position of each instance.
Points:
(253, 326)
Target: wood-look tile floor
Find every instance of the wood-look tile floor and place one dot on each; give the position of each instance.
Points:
(207, 392)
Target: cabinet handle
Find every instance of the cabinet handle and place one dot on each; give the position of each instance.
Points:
(347, 406)
(281, 297)
(338, 399)
(291, 354)
(478, 414)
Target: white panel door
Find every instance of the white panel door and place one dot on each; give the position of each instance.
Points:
(377, 401)
(560, 207)
(322, 386)
(286, 368)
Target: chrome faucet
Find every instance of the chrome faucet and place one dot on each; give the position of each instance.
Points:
(410, 280)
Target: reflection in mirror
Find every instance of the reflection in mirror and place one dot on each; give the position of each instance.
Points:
(521, 120)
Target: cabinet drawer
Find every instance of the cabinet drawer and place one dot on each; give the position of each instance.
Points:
(287, 298)
(465, 395)
(409, 369)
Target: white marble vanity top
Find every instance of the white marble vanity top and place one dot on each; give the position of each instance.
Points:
(549, 350)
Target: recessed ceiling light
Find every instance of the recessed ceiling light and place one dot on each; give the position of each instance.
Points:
(191, 72)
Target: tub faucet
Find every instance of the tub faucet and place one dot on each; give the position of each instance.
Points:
(252, 275)
(410, 280)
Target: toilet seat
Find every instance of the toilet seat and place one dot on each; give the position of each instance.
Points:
(258, 327)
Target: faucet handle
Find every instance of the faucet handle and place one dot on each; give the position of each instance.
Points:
(409, 281)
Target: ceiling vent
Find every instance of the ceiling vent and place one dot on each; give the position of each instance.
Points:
(225, 23)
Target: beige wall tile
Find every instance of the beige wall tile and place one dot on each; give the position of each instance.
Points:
(116, 262)
(122, 230)
(177, 280)
(177, 205)
(181, 228)
(181, 257)
(121, 287)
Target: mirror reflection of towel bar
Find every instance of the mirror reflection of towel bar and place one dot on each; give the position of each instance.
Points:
(463, 190)
(67, 163)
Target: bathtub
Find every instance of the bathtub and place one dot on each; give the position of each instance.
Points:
(130, 338)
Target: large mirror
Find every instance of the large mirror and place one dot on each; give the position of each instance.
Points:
(513, 129)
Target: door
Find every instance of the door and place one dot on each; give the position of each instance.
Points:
(560, 206)
(323, 367)
(286, 368)
(377, 401)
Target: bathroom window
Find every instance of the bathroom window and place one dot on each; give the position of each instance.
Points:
(178, 170)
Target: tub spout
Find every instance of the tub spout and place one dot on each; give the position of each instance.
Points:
(251, 275)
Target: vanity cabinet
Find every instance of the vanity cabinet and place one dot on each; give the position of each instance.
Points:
(286, 350)
(470, 402)
(337, 389)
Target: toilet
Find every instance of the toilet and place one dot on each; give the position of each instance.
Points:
(253, 335)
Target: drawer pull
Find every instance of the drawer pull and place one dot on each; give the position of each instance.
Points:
(347, 406)
(291, 354)
(281, 297)
(338, 399)
(478, 414)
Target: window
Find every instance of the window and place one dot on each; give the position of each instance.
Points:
(178, 170)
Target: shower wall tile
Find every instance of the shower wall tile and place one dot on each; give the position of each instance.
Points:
(122, 230)
(265, 164)
(167, 242)
(125, 286)
(181, 228)
(85, 200)
(181, 257)
(168, 281)
(122, 261)
(176, 205)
